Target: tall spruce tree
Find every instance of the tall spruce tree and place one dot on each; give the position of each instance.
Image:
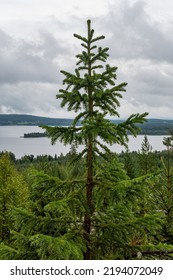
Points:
(91, 91)
(146, 157)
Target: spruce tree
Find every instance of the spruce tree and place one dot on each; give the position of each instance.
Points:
(92, 92)
(146, 157)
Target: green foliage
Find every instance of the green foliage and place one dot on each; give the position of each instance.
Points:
(93, 96)
(50, 228)
(163, 194)
(92, 93)
(13, 192)
(128, 220)
(53, 226)
(146, 157)
(60, 248)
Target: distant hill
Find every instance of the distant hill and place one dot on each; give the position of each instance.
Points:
(17, 119)
(156, 127)
(151, 127)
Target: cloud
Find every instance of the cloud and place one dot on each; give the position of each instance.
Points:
(134, 34)
(139, 45)
(30, 61)
(29, 97)
(30, 74)
(5, 40)
(142, 50)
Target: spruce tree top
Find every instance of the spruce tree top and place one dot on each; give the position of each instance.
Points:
(91, 91)
(87, 84)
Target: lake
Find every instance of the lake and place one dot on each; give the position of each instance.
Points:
(11, 140)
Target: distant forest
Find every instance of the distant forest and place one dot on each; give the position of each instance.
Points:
(151, 127)
(18, 119)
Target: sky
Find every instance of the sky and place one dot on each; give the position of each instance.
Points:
(36, 42)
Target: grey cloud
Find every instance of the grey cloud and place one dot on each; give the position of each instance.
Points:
(30, 61)
(28, 98)
(142, 50)
(30, 73)
(135, 35)
(5, 40)
(150, 88)
(51, 46)
(31, 98)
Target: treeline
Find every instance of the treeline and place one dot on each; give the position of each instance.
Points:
(151, 127)
(135, 162)
(156, 127)
(19, 119)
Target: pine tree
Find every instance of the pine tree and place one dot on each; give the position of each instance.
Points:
(91, 91)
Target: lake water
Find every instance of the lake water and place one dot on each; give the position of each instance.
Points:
(11, 140)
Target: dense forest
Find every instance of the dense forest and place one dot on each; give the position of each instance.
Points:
(43, 203)
(92, 204)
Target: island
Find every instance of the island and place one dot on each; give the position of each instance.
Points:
(34, 134)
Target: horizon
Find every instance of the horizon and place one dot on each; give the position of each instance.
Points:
(24, 114)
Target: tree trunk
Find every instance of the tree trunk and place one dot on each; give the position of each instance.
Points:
(89, 199)
(89, 183)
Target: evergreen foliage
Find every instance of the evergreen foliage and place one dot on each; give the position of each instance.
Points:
(49, 228)
(130, 220)
(13, 192)
(163, 197)
(146, 157)
(91, 91)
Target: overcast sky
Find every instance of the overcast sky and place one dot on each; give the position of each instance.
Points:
(36, 42)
